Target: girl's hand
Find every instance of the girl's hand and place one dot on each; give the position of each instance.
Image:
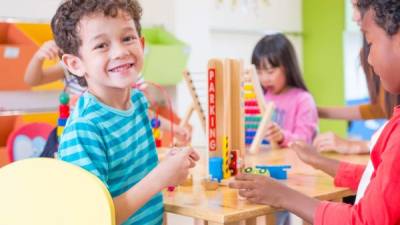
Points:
(331, 142)
(307, 153)
(183, 136)
(274, 133)
(259, 189)
(49, 50)
(174, 168)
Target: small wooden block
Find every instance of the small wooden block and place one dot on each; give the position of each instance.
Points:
(187, 182)
(210, 185)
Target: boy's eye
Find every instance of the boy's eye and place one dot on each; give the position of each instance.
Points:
(100, 46)
(129, 38)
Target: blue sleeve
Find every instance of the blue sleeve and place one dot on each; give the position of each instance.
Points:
(139, 97)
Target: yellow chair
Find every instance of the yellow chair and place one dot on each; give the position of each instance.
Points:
(43, 191)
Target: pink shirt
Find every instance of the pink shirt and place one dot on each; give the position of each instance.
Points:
(380, 203)
(296, 113)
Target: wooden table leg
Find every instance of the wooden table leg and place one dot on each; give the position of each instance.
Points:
(165, 222)
(251, 221)
(215, 223)
(199, 222)
(270, 219)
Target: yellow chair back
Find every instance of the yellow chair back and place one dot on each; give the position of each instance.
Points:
(43, 191)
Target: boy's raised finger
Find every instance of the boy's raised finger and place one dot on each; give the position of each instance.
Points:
(247, 193)
(193, 154)
(241, 184)
(245, 177)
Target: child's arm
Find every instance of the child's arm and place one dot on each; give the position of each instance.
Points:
(340, 112)
(82, 144)
(170, 172)
(181, 133)
(382, 192)
(310, 156)
(378, 206)
(331, 142)
(35, 74)
(264, 190)
(345, 174)
(380, 203)
(305, 122)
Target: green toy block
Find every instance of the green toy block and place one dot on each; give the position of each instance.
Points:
(165, 57)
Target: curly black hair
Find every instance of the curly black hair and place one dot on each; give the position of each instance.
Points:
(65, 22)
(387, 13)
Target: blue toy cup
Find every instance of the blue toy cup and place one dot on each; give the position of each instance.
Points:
(215, 168)
(276, 171)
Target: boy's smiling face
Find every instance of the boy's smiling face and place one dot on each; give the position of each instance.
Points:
(384, 54)
(111, 52)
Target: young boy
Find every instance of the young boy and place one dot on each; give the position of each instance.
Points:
(109, 133)
(380, 201)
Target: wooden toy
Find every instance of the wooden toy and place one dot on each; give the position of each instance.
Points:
(63, 113)
(210, 185)
(196, 105)
(256, 170)
(278, 172)
(188, 181)
(155, 125)
(222, 115)
(258, 112)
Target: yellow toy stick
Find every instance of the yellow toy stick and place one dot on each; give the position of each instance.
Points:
(226, 119)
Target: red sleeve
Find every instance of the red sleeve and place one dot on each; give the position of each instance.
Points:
(380, 204)
(349, 175)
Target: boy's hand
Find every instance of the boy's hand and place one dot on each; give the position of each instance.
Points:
(259, 189)
(274, 133)
(49, 50)
(183, 136)
(330, 142)
(305, 152)
(174, 169)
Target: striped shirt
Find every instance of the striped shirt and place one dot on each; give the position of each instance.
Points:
(115, 145)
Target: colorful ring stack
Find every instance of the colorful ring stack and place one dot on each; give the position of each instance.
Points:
(155, 124)
(63, 113)
(252, 113)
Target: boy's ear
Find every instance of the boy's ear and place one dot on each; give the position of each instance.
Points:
(73, 64)
(143, 42)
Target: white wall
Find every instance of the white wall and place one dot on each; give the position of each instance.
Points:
(355, 84)
(28, 10)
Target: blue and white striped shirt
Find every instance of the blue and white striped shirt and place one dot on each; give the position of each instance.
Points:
(115, 145)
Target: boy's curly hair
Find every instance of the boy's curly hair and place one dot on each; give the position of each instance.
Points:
(65, 22)
(387, 13)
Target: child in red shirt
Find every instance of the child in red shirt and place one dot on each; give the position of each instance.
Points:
(381, 201)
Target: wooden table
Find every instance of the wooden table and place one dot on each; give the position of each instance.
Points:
(28, 102)
(223, 206)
